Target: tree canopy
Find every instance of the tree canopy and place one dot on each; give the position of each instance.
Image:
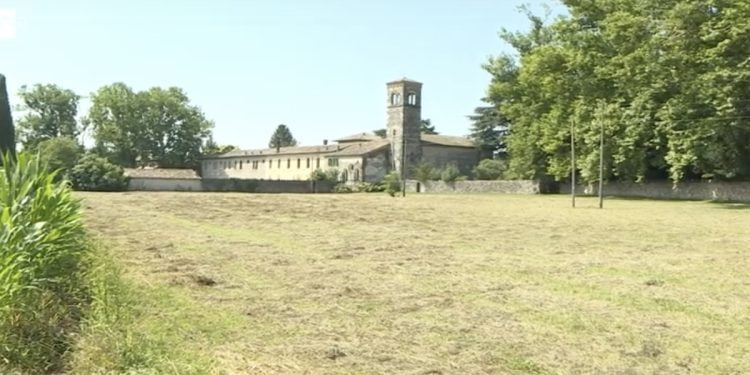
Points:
(7, 132)
(488, 130)
(668, 82)
(50, 113)
(154, 127)
(282, 137)
(426, 127)
(213, 148)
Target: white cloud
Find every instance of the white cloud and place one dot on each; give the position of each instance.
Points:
(7, 23)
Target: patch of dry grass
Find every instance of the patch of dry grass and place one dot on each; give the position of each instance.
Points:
(442, 283)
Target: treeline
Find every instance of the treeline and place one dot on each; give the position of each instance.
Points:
(666, 81)
(156, 127)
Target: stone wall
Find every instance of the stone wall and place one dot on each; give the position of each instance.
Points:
(164, 184)
(497, 186)
(439, 156)
(377, 166)
(266, 186)
(721, 191)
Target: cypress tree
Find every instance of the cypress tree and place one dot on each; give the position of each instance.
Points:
(7, 133)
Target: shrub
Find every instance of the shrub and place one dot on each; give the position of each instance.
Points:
(341, 188)
(451, 173)
(94, 173)
(392, 183)
(59, 154)
(41, 263)
(371, 187)
(331, 175)
(489, 169)
(424, 172)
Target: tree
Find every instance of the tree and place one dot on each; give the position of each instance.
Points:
(488, 130)
(50, 112)
(7, 133)
(451, 173)
(155, 127)
(59, 154)
(382, 133)
(489, 169)
(282, 137)
(665, 81)
(424, 172)
(94, 173)
(426, 127)
(212, 148)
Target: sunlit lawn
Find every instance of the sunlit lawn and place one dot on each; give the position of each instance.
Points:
(440, 284)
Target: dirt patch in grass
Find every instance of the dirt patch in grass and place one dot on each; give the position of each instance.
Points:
(443, 283)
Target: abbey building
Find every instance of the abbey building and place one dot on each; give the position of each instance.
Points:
(362, 157)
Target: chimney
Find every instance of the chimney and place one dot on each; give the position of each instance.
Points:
(325, 142)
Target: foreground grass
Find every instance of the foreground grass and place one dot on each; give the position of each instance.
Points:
(432, 283)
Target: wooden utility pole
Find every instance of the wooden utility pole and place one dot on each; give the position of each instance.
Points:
(573, 164)
(601, 166)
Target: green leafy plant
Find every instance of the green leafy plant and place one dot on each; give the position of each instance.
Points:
(59, 154)
(341, 188)
(451, 173)
(41, 263)
(424, 172)
(489, 169)
(392, 183)
(94, 173)
(331, 175)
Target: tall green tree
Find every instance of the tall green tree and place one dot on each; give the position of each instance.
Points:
(488, 130)
(666, 81)
(59, 154)
(155, 127)
(7, 131)
(50, 113)
(282, 137)
(426, 127)
(210, 147)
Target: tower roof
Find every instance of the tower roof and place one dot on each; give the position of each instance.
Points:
(404, 79)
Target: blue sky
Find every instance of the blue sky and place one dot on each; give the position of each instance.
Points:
(318, 66)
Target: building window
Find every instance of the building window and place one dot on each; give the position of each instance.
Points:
(317, 163)
(308, 163)
(333, 162)
(412, 99)
(299, 163)
(395, 98)
(278, 164)
(288, 163)
(240, 164)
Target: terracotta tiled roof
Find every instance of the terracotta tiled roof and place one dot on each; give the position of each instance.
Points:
(280, 151)
(161, 173)
(447, 140)
(359, 137)
(363, 148)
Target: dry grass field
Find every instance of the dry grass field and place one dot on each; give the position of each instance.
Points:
(436, 284)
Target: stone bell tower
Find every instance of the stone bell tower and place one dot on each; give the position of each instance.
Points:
(404, 123)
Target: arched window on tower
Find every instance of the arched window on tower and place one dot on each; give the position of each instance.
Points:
(395, 98)
(412, 98)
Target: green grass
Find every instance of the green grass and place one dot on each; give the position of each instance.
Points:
(240, 283)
